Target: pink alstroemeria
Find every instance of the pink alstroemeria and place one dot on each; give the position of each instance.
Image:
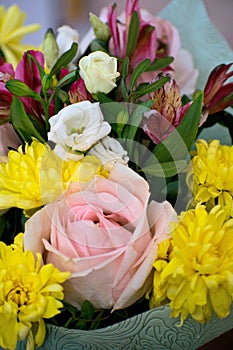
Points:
(166, 113)
(28, 72)
(218, 95)
(146, 44)
(78, 92)
(6, 73)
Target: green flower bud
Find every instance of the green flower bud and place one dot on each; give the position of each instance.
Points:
(101, 30)
(50, 48)
(63, 95)
(47, 82)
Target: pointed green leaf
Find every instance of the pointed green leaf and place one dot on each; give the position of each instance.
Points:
(149, 88)
(167, 169)
(64, 59)
(179, 143)
(141, 68)
(19, 88)
(134, 29)
(68, 79)
(22, 123)
(124, 74)
(160, 63)
(125, 68)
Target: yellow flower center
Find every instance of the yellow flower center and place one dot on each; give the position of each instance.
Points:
(19, 295)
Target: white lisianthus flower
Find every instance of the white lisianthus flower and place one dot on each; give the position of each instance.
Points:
(99, 72)
(76, 128)
(109, 151)
(66, 36)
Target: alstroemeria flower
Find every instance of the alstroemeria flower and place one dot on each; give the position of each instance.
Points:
(78, 92)
(146, 44)
(157, 38)
(217, 94)
(76, 128)
(12, 32)
(166, 113)
(6, 73)
(27, 72)
(106, 235)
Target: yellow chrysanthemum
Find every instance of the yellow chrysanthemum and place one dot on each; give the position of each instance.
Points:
(36, 176)
(210, 175)
(12, 32)
(197, 278)
(28, 294)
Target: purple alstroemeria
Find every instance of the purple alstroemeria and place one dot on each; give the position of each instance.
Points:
(6, 73)
(28, 72)
(166, 113)
(218, 95)
(78, 92)
(146, 44)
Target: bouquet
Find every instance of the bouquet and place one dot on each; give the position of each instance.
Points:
(112, 202)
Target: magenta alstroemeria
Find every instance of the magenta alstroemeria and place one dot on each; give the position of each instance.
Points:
(166, 113)
(6, 73)
(146, 43)
(28, 72)
(218, 95)
(78, 92)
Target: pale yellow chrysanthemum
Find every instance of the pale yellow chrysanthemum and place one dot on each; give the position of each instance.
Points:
(12, 32)
(197, 278)
(210, 175)
(36, 176)
(28, 294)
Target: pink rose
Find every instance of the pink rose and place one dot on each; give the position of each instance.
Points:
(106, 235)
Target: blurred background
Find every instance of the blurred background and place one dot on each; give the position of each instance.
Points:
(53, 13)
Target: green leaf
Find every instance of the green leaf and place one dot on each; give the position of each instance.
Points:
(160, 63)
(178, 144)
(134, 29)
(22, 123)
(125, 68)
(87, 310)
(98, 45)
(141, 68)
(134, 121)
(167, 169)
(19, 88)
(124, 74)
(149, 88)
(67, 79)
(64, 59)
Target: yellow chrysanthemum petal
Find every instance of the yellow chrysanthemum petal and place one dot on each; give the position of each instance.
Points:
(197, 277)
(25, 180)
(210, 174)
(27, 295)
